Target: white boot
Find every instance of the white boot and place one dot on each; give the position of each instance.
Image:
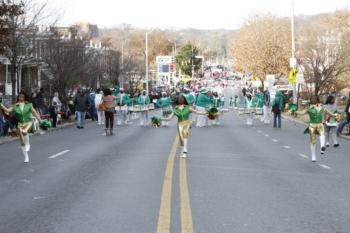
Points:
(25, 153)
(335, 140)
(323, 141)
(27, 146)
(313, 152)
(184, 151)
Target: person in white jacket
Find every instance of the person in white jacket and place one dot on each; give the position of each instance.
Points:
(98, 101)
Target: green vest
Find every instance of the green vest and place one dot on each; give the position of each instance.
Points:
(24, 116)
(316, 117)
(182, 115)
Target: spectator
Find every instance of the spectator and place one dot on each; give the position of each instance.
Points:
(55, 109)
(330, 123)
(2, 124)
(98, 101)
(345, 121)
(81, 104)
(277, 107)
(92, 109)
(266, 107)
(109, 102)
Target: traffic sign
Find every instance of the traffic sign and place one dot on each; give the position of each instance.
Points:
(292, 75)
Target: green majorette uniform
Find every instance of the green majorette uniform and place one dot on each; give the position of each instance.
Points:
(316, 123)
(23, 114)
(316, 115)
(24, 119)
(184, 124)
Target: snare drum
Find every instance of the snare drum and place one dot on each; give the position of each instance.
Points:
(151, 106)
(137, 108)
(259, 111)
(241, 111)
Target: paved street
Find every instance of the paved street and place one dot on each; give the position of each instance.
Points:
(236, 179)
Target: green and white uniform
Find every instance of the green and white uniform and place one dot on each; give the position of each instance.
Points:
(165, 104)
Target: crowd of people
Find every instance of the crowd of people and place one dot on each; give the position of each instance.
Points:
(106, 105)
(326, 121)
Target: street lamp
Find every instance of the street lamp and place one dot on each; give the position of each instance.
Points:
(146, 62)
(293, 62)
(146, 53)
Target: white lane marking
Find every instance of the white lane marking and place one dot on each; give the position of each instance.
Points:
(303, 156)
(39, 197)
(259, 131)
(58, 154)
(266, 135)
(274, 140)
(286, 147)
(324, 166)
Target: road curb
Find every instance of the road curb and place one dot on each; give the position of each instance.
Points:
(303, 123)
(67, 125)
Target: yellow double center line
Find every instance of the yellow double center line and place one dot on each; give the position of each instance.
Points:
(164, 219)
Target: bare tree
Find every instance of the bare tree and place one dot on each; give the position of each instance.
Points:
(262, 46)
(324, 51)
(23, 29)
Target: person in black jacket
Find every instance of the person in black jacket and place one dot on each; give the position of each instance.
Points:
(345, 121)
(81, 104)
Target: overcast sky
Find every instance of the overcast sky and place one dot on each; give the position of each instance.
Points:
(201, 14)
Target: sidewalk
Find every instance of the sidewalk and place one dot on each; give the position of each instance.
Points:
(299, 121)
(59, 127)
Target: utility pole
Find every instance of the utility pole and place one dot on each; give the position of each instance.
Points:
(147, 63)
(293, 62)
(192, 62)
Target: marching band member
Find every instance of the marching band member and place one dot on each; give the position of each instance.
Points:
(144, 101)
(122, 102)
(134, 101)
(191, 99)
(248, 108)
(266, 107)
(231, 104)
(23, 111)
(330, 122)
(182, 112)
(165, 103)
(203, 101)
(258, 104)
(316, 113)
(217, 103)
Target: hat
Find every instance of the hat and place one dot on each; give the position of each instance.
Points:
(121, 89)
(203, 91)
